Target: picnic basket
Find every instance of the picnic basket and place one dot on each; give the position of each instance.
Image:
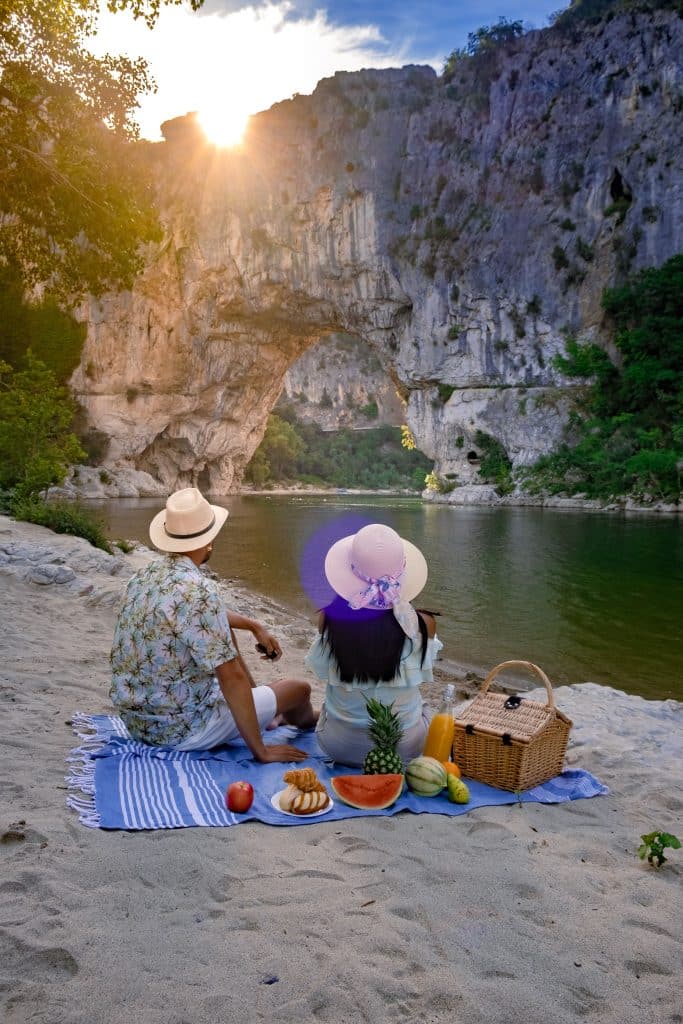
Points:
(511, 742)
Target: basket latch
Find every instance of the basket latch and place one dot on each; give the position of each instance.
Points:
(513, 701)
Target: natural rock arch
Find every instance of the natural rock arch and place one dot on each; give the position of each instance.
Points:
(391, 206)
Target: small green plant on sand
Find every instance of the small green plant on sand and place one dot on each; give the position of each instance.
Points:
(654, 844)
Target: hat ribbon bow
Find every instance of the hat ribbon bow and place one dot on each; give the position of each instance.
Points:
(380, 592)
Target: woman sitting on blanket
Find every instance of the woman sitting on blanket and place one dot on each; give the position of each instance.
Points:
(373, 643)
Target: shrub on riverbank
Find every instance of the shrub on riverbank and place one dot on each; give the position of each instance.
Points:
(37, 446)
(37, 443)
(62, 517)
(495, 466)
(630, 421)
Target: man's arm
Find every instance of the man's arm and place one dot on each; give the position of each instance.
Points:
(243, 664)
(261, 634)
(235, 686)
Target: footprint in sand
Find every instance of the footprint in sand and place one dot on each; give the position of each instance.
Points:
(309, 873)
(354, 843)
(640, 967)
(490, 832)
(649, 926)
(19, 834)
(19, 961)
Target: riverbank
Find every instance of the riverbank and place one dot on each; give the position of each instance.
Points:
(487, 918)
(485, 494)
(98, 483)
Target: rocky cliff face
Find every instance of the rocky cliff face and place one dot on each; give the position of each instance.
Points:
(460, 230)
(340, 382)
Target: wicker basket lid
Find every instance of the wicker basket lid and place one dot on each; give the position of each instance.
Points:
(520, 718)
(524, 722)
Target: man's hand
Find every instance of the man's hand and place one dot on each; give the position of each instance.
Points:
(273, 651)
(235, 685)
(280, 752)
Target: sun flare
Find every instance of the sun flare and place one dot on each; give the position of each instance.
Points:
(224, 126)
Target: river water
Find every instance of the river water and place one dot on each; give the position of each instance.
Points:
(585, 596)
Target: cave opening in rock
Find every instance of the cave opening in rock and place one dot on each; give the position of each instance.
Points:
(473, 458)
(619, 189)
(204, 480)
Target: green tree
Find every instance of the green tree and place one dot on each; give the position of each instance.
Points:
(630, 425)
(495, 466)
(370, 459)
(75, 199)
(52, 334)
(275, 458)
(648, 315)
(482, 42)
(37, 445)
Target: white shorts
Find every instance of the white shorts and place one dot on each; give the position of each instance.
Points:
(221, 726)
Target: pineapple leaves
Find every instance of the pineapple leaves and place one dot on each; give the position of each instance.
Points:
(385, 731)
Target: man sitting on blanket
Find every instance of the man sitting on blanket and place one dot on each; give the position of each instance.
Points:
(178, 678)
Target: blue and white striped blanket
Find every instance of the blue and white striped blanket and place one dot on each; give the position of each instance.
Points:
(118, 783)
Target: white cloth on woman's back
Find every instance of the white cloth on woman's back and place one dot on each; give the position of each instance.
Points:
(346, 701)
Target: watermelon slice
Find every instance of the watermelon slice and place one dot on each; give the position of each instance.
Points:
(368, 792)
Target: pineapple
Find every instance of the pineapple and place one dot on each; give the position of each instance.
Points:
(386, 732)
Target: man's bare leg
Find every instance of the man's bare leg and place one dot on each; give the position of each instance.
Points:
(294, 702)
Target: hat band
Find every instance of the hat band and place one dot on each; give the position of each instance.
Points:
(380, 592)
(190, 536)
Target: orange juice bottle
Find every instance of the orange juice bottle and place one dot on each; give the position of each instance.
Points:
(439, 741)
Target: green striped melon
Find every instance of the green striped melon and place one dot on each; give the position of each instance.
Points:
(426, 776)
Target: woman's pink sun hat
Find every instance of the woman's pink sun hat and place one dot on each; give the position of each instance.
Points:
(376, 555)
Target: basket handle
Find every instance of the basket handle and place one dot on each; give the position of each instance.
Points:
(520, 664)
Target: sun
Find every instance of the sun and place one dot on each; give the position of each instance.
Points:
(223, 125)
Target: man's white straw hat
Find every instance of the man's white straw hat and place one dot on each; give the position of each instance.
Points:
(376, 552)
(187, 523)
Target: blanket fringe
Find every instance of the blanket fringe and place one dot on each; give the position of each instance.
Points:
(81, 778)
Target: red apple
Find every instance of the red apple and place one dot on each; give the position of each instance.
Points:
(239, 797)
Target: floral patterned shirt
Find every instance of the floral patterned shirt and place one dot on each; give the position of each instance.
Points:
(171, 634)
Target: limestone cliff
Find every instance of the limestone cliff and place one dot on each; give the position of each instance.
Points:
(341, 383)
(459, 229)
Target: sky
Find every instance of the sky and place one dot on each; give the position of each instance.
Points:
(232, 59)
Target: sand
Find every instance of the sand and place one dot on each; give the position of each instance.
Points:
(525, 913)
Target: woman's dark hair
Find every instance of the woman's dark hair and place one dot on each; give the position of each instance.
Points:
(365, 643)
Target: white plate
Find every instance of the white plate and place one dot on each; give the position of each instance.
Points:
(275, 803)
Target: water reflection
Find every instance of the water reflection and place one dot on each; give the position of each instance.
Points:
(585, 596)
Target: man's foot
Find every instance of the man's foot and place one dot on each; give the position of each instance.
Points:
(308, 722)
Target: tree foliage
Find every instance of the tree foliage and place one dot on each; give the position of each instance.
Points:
(37, 444)
(75, 201)
(277, 454)
(51, 333)
(369, 459)
(483, 42)
(630, 434)
(495, 466)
